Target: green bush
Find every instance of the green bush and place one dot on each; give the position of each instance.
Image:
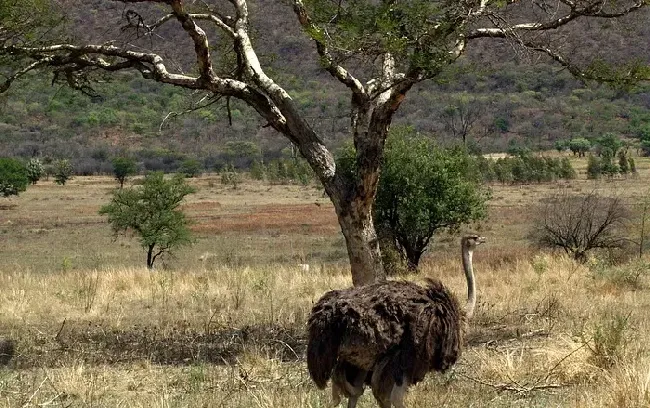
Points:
(525, 169)
(191, 168)
(62, 171)
(594, 168)
(13, 177)
(579, 146)
(423, 190)
(34, 170)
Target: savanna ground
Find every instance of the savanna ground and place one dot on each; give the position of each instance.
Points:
(223, 322)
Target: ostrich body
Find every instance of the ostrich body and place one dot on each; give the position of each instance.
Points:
(388, 335)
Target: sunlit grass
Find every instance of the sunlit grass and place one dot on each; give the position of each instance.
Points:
(95, 328)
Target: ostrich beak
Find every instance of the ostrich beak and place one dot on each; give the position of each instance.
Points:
(481, 240)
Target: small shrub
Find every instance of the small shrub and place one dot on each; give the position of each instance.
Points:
(631, 164)
(594, 168)
(62, 171)
(230, 177)
(628, 276)
(623, 162)
(609, 340)
(191, 168)
(13, 177)
(34, 170)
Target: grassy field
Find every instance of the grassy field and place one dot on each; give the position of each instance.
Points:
(96, 329)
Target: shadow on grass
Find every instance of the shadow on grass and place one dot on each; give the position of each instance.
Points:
(90, 343)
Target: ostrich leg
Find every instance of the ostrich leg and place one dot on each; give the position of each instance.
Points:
(349, 381)
(397, 395)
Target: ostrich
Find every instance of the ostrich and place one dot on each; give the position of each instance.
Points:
(388, 335)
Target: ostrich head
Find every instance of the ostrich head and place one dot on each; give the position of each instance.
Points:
(468, 245)
(470, 242)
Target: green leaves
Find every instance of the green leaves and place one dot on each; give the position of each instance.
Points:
(13, 177)
(27, 21)
(123, 167)
(423, 189)
(415, 32)
(151, 211)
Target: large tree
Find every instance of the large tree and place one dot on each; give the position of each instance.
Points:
(391, 44)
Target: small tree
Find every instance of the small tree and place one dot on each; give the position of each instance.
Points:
(34, 170)
(62, 171)
(191, 168)
(579, 146)
(425, 189)
(13, 177)
(561, 145)
(608, 145)
(123, 167)
(581, 223)
(151, 211)
(594, 168)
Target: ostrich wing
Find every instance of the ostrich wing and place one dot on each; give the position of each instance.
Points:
(360, 325)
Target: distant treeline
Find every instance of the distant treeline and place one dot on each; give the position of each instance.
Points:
(525, 169)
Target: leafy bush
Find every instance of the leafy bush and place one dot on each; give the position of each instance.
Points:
(623, 162)
(229, 176)
(609, 340)
(34, 170)
(525, 169)
(608, 145)
(258, 170)
(191, 168)
(579, 146)
(594, 168)
(62, 171)
(561, 145)
(13, 177)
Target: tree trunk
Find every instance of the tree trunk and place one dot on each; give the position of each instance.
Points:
(150, 258)
(362, 243)
(413, 256)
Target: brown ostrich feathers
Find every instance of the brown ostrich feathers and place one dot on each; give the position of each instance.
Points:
(399, 330)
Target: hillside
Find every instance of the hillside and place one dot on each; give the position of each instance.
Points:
(517, 97)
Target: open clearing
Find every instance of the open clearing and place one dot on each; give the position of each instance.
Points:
(96, 329)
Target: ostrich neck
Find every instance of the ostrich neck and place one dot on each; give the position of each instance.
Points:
(471, 285)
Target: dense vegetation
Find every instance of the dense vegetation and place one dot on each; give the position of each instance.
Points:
(512, 104)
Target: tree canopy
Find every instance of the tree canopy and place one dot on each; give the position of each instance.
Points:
(152, 213)
(123, 167)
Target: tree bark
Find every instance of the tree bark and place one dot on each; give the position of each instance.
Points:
(150, 257)
(361, 240)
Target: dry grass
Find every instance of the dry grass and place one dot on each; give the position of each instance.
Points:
(95, 329)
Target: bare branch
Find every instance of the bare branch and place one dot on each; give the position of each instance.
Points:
(36, 64)
(593, 9)
(201, 44)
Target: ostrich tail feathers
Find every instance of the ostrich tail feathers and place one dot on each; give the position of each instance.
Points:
(324, 340)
